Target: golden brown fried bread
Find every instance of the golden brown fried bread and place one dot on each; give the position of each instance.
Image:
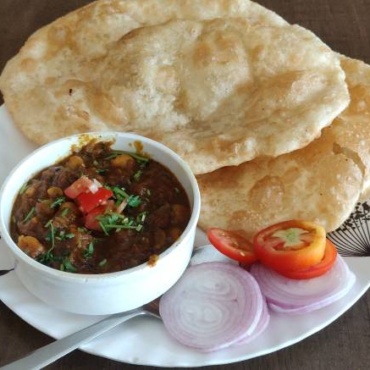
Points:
(351, 131)
(321, 182)
(220, 82)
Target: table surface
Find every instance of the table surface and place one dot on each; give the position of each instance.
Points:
(345, 26)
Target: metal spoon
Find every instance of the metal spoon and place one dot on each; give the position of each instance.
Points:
(51, 352)
(55, 350)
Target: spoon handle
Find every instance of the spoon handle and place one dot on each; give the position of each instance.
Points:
(59, 348)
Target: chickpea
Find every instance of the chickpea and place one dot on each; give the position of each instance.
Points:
(55, 192)
(66, 215)
(70, 205)
(174, 233)
(179, 214)
(43, 208)
(75, 162)
(30, 191)
(159, 238)
(30, 245)
(83, 240)
(122, 160)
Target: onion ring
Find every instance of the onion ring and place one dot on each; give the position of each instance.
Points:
(261, 326)
(294, 296)
(212, 306)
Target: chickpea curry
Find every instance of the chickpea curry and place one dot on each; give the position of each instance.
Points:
(100, 210)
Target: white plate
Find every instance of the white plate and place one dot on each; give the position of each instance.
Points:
(144, 340)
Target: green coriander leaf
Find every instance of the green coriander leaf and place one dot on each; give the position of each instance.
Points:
(67, 265)
(49, 223)
(137, 175)
(51, 234)
(47, 258)
(89, 250)
(23, 188)
(115, 221)
(120, 194)
(63, 235)
(103, 262)
(30, 214)
(134, 201)
(57, 202)
(65, 212)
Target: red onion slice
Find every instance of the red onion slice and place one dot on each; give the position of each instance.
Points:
(260, 328)
(212, 306)
(301, 296)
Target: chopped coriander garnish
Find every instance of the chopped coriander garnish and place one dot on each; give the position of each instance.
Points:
(142, 216)
(30, 214)
(121, 195)
(134, 201)
(58, 201)
(137, 175)
(115, 221)
(89, 250)
(23, 188)
(49, 223)
(103, 262)
(51, 234)
(139, 227)
(63, 235)
(65, 212)
(138, 157)
(67, 265)
(47, 257)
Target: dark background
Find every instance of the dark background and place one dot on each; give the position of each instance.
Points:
(344, 345)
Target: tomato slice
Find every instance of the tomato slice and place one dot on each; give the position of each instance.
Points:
(88, 201)
(81, 185)
(232, 245)
(290, 245)
(319, 269)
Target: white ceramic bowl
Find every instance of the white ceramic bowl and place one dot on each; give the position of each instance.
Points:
(103, 293)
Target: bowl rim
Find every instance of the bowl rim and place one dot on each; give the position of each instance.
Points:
(103, 136)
